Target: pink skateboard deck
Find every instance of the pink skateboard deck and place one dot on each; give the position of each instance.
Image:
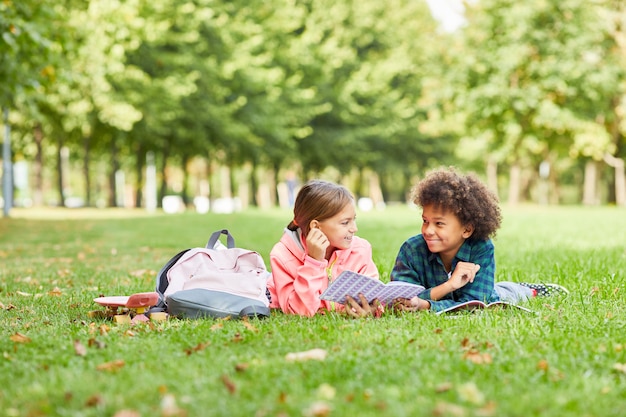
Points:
(139, 300)
(133, 306)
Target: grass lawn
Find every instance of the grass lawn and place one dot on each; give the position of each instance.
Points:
(569, 359)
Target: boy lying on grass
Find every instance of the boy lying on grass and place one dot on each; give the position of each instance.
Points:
(453, 257)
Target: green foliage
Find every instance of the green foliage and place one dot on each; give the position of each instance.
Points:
(57, 361)
(348, 85)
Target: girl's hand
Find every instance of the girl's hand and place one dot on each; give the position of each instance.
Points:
(413, 304)
(463, 274)
(363, 309)
(316, 244)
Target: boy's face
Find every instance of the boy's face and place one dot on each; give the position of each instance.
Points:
(443, 232)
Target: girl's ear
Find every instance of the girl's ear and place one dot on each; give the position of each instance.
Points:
(468, 230)
(313, 224)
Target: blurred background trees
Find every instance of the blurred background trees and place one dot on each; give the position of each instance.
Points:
(223, 99)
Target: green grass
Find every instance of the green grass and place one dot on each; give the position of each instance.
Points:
(564, 361)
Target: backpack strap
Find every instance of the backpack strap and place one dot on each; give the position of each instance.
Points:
(162, 282)
(230, 240)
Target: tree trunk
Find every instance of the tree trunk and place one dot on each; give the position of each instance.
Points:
(184, 195)
(60, 179)
(139, 166)
(254, 186)
(514, 184)
(86, 149)
(163, 169)
(590, 183)
(620, 178)
(38, 165)
(115, 166)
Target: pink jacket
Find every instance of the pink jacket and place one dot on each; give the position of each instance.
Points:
(297, 280)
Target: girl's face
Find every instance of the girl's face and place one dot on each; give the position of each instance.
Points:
(443, 232)
(340, 228)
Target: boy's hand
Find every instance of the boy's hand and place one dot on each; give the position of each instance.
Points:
(464, 273)
(413, 304)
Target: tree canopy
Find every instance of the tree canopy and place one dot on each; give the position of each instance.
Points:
(352, 87)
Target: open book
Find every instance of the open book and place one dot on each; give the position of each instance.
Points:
(351, 283)
(479, 305)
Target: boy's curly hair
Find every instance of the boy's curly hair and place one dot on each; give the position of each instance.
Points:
(463, 195)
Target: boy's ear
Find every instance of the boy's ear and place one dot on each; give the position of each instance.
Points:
(468, 230)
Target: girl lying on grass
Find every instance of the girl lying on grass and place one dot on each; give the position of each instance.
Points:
(317, 245)
(453, 257)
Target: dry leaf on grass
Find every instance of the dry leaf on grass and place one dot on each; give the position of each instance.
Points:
(449, 410)
(241, 367)
(477, 357)
(111, 366)
(127, 413)
(229, 384)
(250, 327)
(317, 409)
(79, 348)
(169, 407)
(197, 348)
(55, 292)
(313, 354)
(620, 367)
(470, 393)
(94, 400)
(20, 338)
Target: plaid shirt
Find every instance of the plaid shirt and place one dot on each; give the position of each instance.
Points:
(416, 264)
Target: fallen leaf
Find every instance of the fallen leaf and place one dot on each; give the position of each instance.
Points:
(470, 393)
(217, 326)
(79, 348)
(620, 367)
(543, 365)
(448, 410)
(169, 407)
(477, 357)
(93, 401)
(97, 343)
(104, 329)
(127, 413)
(237, 338)
(326, 392)
(111, 366)
(229, 384)
(443, 387)
(197, 348)
(488, 410)
(317, 409)
(313, 354)
(55, 292)
(23, 294)
(250, 327)
(241, 367)
(20, 338)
